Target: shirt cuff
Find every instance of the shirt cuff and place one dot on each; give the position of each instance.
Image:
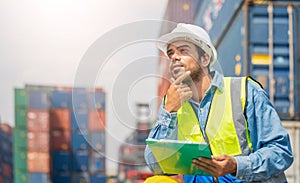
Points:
(243, 171)
(167, 119)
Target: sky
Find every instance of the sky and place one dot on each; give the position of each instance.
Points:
(106, 44)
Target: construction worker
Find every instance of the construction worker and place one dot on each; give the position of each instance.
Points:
(233, 115)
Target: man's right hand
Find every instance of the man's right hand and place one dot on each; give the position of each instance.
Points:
(178, 93)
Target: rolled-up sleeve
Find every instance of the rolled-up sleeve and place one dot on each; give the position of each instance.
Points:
(272, 153)
(164, 128)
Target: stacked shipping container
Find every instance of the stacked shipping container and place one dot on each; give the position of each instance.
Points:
(65, 137)
(6, 162)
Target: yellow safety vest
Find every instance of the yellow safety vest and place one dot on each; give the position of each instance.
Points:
(226, 127)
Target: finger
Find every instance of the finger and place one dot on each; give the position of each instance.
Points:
(182, 77)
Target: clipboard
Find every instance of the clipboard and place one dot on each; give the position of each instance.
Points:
(175, 156)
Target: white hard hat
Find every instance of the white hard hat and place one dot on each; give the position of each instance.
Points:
(191, 33)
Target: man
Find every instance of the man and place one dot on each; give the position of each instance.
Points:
(233, 115)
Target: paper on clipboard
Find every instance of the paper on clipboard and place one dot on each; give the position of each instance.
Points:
(175, 156)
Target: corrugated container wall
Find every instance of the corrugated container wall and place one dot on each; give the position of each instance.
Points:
(260, 40)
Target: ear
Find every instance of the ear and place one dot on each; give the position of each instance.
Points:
(205, 60)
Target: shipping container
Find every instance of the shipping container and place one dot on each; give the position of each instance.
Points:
(38, 162)
(98, 178)
(21, 117)
(97, 140)
(79, 140)
(20, 176)
(38, 99)
(39, 178)
(80, 118)
(96, 162)
(20, 138)
(61, 177)
(60, 140)
(97, 100)
(80, 98)
(38, 141)
(80, 161)
(80, 177)
(97, 120)
(264, 43)
(61, 99)
(21, 98)
(20, 160)
(38, 120)
(60, 118)
(61, 161)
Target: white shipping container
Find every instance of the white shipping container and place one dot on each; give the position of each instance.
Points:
(293, 128)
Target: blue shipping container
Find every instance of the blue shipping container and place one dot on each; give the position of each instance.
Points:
(61, 177)
(80, 161)
(79, 140)
(61, 161)
(248, 48)
(79, 98)
(80, 178)
(98, 178)
(61, 99)
(96, 162)
(97, 100)
(38, 178)
(38, 99)
(97, 140)
(79, 119)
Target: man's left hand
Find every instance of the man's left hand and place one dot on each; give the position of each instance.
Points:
(217, 166)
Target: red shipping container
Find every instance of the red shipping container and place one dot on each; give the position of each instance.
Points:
(60, 140)
(60, 118)
(38, 141)
(97, 121)
(38, 120)
(1, 179)
(6, 168)
(38, 162)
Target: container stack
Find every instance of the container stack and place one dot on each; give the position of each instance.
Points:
(31, 135)
(96, 128)
(6, 162)
(20, 136)
(132, 166)
(59, 135)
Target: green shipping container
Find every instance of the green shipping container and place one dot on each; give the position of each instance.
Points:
(20, 138)
(20, 176)
(21, 99)
(20, 159)
(21, 117)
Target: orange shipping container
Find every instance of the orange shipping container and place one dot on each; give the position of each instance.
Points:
(37, 120)
(38, 162)
(60, 118)
(60, 140)
(97, 121)
(38, 141)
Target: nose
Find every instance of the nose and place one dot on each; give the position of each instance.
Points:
(175, 57)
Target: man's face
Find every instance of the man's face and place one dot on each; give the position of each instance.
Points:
(184, 56)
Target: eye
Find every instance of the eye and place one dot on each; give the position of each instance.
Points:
(183, 51)
(170, 54)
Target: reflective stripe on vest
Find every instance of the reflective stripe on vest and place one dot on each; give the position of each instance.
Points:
(226, 128)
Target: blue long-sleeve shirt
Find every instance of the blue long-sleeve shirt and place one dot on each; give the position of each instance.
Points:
(272, 152)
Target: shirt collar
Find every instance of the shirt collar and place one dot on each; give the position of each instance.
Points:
(217, 81)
